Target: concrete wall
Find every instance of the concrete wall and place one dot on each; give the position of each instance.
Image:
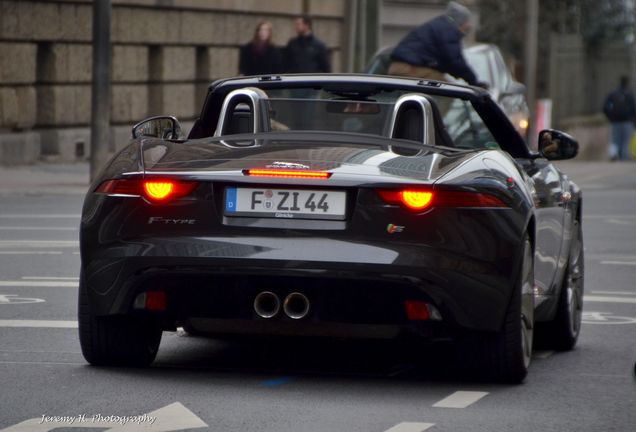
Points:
(164, 55)
(580, 81)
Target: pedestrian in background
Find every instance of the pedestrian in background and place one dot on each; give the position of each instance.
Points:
(620, 110)
(260, 56)
(306, 53)
(434, 48)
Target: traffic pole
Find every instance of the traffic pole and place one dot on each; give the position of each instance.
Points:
(100, 91)
(530, 66)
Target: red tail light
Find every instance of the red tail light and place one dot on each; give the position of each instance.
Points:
(421, 199)
(411, 198)
(163, 190)
(289, 173)
(160, 190)
(416, 310)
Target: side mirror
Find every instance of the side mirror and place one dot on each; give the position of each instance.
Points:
(164, 127)
(515, 88)
(557, 145)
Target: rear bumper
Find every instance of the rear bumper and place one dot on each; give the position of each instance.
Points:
(348, 282)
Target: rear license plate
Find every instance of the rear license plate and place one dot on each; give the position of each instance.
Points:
(285, 203)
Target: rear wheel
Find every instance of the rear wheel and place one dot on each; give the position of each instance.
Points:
(116, 340)
(505, 356)
(562, 333)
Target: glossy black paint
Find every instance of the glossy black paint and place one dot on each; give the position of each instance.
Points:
(462, 260)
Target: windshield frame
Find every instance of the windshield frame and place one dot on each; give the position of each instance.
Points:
(493, 117)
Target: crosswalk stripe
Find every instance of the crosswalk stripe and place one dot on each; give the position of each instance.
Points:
(460, 399)
(410, 427)
(38, 323)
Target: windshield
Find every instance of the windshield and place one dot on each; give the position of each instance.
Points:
(368, 117)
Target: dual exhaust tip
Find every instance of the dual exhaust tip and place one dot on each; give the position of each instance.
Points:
(268, 305)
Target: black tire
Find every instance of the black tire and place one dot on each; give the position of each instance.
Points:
(562, 332)
(116, 340)
(506, 355)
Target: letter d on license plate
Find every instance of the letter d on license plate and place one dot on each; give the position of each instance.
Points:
(285, 203)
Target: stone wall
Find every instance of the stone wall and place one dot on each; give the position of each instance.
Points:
(164, 55)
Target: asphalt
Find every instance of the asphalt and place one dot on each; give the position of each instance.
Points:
(300, 385)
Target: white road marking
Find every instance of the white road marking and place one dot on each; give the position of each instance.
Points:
(30, 228)
(39, 243)
(48, 278)
(609, 216)
(542, 354)
(31, 252)
(608, 299)
(38, 324)
(37, 283)
(626, 263)
(15, 299)
(408, 427)
(605, 318)
(460, 399)
(628, 293)
(40, 363)
(173, 417)
(40, 216)
(621, 222)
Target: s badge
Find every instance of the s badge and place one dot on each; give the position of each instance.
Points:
(391, 229)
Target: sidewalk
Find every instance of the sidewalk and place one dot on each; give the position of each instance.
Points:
(45, 178)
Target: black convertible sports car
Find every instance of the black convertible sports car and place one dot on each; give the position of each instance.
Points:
(346, 206)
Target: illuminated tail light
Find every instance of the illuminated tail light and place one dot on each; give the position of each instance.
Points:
(410, 198)
(420, 200)
(160, 190)
(320, 175)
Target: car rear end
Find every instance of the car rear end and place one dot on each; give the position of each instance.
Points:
(374, 247)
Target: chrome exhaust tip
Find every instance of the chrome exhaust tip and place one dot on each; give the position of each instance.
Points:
(266, 304)
(296, 305)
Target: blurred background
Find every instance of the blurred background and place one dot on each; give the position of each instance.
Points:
(164, 54)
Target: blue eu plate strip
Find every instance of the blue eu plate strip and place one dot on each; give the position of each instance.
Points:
(230, 200)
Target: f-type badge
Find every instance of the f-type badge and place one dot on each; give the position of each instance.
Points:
(391, 229)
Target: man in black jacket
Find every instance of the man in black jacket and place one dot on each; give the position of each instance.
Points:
(306, 53)
(434, 48)
(620, 110)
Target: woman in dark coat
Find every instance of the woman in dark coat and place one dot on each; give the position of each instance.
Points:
(260, 56)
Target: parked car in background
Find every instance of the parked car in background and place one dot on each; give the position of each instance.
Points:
(487, 62)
